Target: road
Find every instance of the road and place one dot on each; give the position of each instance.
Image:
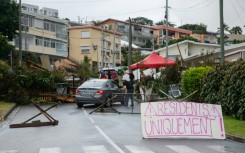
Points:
(79, 131)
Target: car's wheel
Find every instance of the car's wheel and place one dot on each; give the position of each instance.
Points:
(79, 105)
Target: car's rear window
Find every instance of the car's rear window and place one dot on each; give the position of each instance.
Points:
(92, 84)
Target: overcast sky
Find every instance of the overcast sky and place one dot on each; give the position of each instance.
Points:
(180, 12)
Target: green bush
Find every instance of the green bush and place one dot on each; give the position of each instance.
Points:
(225, 86)
(192, 81)
(5, 77)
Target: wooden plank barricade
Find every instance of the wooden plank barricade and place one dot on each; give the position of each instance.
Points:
(172, 119)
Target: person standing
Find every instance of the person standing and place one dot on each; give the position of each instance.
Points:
(130, 89)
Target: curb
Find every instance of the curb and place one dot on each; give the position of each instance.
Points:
(235, 138)
(8, 112)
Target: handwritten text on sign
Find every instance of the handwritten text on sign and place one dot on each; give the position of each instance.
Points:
(182, 119)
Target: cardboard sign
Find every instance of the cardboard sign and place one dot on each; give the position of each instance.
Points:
(182, 120)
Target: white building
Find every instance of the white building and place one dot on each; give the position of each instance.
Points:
(43, 34)
(187, 49)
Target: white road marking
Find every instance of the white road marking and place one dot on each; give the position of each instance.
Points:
(95, 149)
(49, 150)
(220, 149)
(182, 149)
(9, 151)
(109, 140)
(90, 118)
(138, 149)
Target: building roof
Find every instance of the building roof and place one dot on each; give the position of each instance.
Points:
(232, 46)
(110, 19)
(41, 16)
(172, 29)
(93, 27)
(232, 37)
(187, 41)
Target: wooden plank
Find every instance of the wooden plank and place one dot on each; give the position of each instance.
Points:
(34, 124)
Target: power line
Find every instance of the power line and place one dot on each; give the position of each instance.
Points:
(237, 12)
(197, 8)
(240, 5)
(197, 4)
(138, 11)
(86, 1)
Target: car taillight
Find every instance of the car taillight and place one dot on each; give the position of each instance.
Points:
(100, 92)
(77, 92)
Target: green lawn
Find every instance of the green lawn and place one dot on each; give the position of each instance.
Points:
(234, 127)
(4, 107)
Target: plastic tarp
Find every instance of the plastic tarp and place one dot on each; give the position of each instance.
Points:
(152, 61)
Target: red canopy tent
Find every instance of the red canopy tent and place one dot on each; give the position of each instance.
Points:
(152, 61)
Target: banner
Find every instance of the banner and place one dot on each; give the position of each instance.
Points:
(182, 120)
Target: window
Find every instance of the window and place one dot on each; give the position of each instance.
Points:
(38, 23)
(60, 46)
(47, 42)
(52, 26)
(85, 49)
(118, 55)
(46, 25)
(85, 34)
(39, 41)
(52, 43)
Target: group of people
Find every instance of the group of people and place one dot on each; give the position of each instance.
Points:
(128, 81)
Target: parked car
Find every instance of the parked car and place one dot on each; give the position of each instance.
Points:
(101, 89)
(109, 73)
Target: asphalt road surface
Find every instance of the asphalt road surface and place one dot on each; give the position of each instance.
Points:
(79, 131)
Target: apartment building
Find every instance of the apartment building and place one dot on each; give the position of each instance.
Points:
(43, 33)
(102, 47)
(159, 33)
(209, 37)
(140, 33)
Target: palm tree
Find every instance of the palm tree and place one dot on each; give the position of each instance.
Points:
(236, 30)
(226, 28)
(170, 24)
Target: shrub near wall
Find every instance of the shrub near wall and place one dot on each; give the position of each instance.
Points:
(226, 86)
(192, 81)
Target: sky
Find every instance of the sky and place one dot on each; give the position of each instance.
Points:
(180, 12)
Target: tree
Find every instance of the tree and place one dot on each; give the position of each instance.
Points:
(171, 42)
(136, 56)
(142, 21)
(9, 18)
(226, 28)
(195, 28)
(170, 24)
(83, 69)
(236, 30)
(5, 47)
(96, 22)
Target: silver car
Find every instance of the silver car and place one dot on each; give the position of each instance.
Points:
(97, 91)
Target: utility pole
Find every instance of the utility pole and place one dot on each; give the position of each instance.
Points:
(129, 44)
(102, 47)
(114, 45)
(166, 16)
(153, 43)
(222, 52)
(20, 35)
(25, 22)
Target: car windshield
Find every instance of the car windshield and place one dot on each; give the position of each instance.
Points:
(92, 84)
